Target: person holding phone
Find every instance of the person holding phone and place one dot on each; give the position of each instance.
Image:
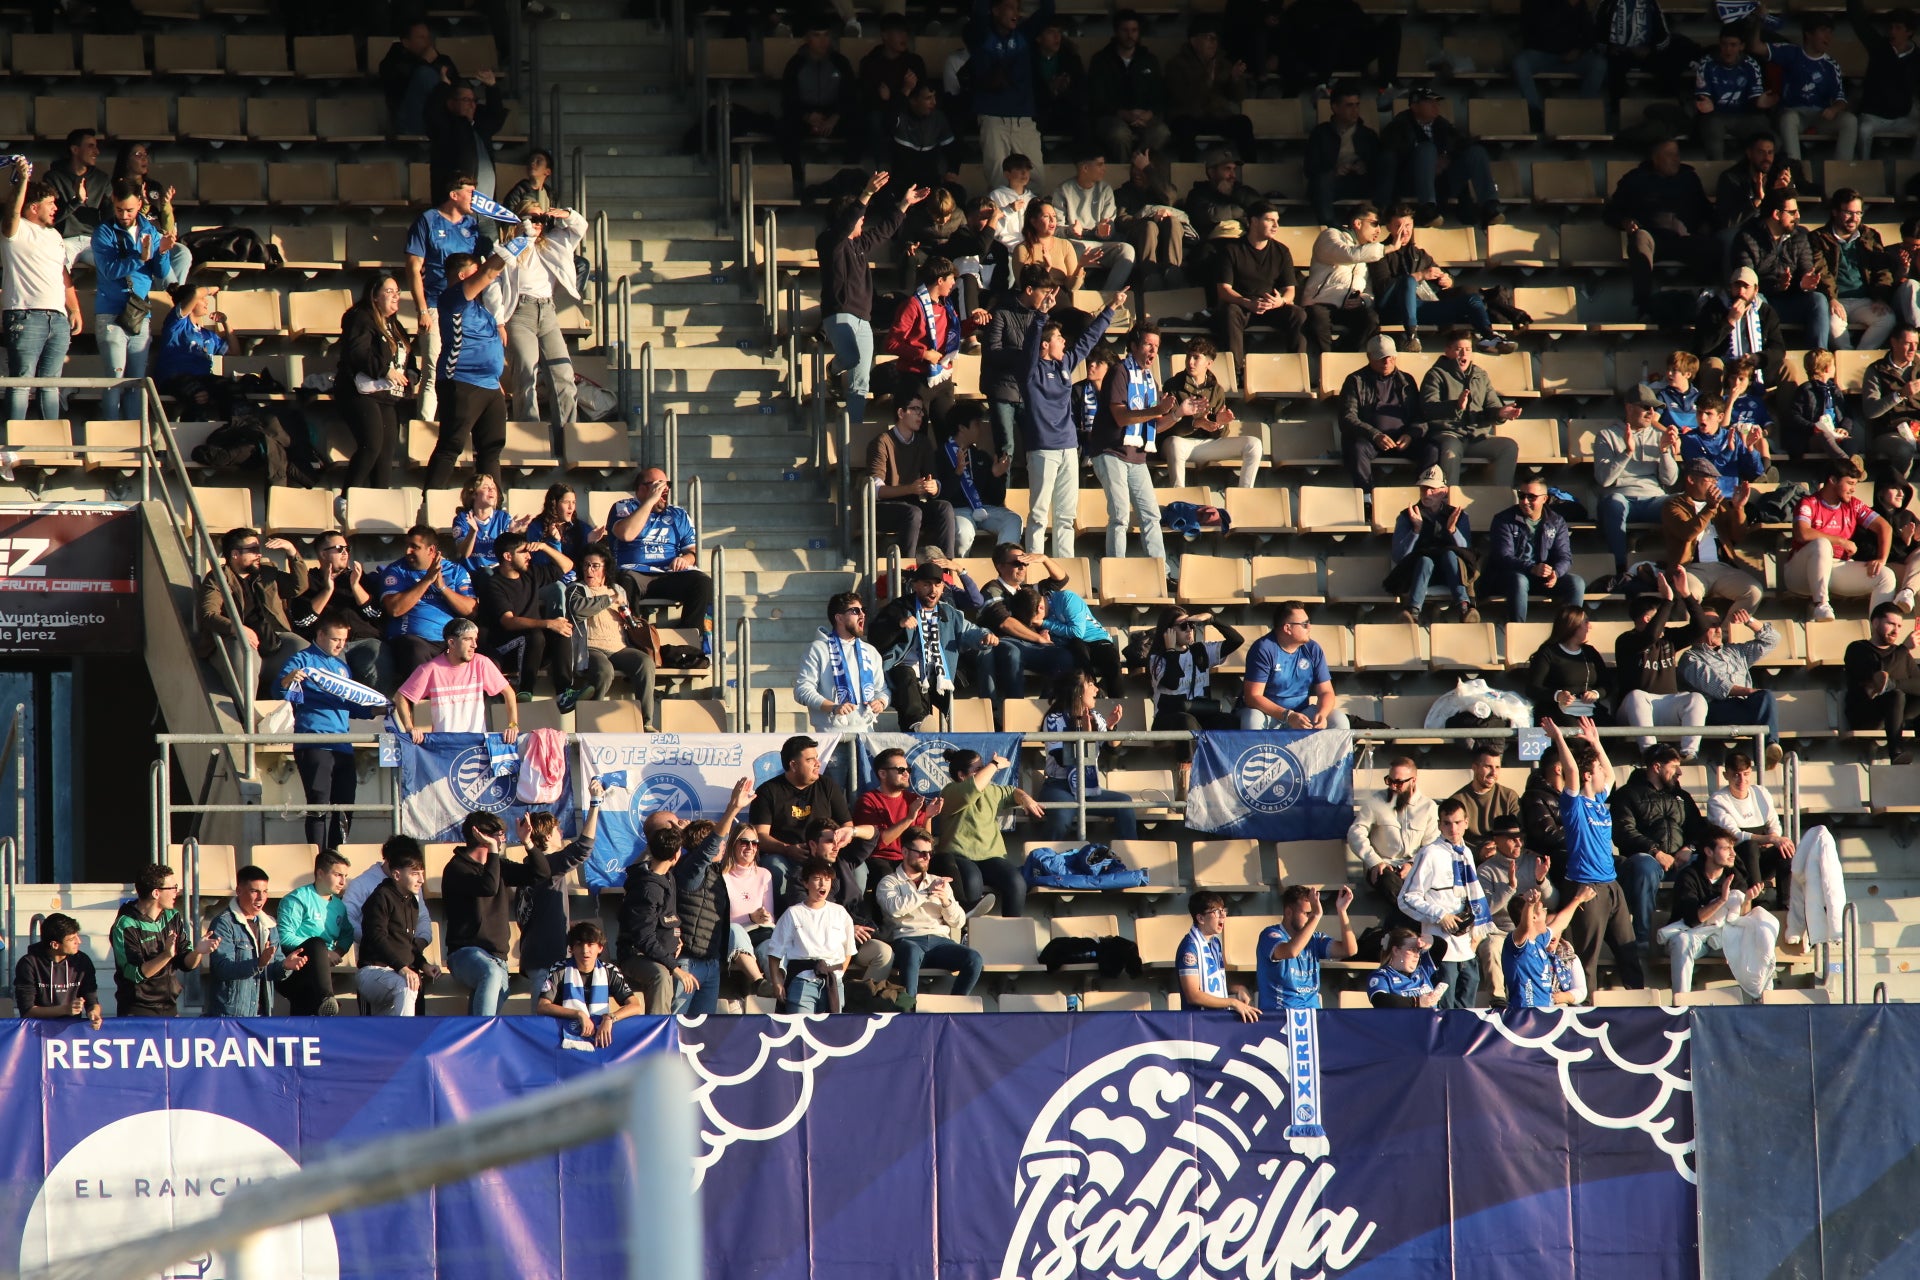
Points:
(1404, 979)
(152, 941)
(192, 335)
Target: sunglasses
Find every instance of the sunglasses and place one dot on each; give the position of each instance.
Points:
(1533, 497)
(1399, 782)
(252, 547)
(856, 609)
(894, 768)
(921, 849)
(746, 844)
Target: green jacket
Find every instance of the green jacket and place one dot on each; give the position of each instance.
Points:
(136, 940)
(305, 914)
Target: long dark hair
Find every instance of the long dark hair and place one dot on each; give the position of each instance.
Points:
(392, 332)
(1170, 616)
(123, 161)
(550, 505)
(1067, 692)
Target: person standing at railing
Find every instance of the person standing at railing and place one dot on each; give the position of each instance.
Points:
(130, 257)
(261, 591)
(39, 310)
(326, 769)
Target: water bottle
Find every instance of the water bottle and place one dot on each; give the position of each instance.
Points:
(1073, 1003)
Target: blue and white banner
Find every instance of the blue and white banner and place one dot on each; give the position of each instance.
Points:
(926, 756)
(451, 775)
(690, 774)
(1285, 785)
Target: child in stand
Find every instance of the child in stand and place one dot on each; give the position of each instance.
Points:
(1086, 392)
(1818, 424)
(588, 997)
(1012, 199)
(1677, 392)
(1540, 970)
(1202, 437)
(1738, 453)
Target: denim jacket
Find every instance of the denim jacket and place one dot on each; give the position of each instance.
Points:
(234, 978)
(120, 266)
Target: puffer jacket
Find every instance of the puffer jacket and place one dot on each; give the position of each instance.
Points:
(1646, 818)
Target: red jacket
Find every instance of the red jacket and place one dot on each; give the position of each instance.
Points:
(908, 338)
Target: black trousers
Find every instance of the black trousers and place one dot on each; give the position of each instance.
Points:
(1605, 919)
(313, 983)
(469, 411)
(1359, 451)
(1101, 657)
(1892, 712)
(375, 423)
(329, 778)
(972, 879)
(1357, 325)
(912, 700)
(692, 589)
(912, 524)
(411, 652)
(521, 663)
(1289, 322)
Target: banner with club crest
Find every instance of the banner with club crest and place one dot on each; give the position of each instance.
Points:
(1275, 785)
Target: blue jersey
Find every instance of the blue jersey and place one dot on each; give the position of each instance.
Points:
(1389, 981)
(1529, 972)
(1678, 409)
(433, 239)
(1295, 983)
(1588, 823)
(667, 535)
(429, 618)
(491, 530)
(1730, 454)
(470, 347)
(1290, 677)
(1203, 958)
(1806, 80)
(1730, 88)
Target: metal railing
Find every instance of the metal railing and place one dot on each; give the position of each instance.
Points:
(695, 499)
(721, 153)
(742, 673)
(1850, 952)
(578, 161)
(869, 530)
(746, 202)
(843, 507)
(717, 567)
(770, 273)
(670, 449)
(602, 275)
(793, 345)
(642, 409)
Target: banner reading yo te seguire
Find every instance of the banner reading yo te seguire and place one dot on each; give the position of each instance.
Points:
(69, 578)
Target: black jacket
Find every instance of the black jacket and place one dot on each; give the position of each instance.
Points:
(44, 979)
(387, 922)
(478, 907)
(1737, 195)
(1003, 358)
(1651, 198)
(365, 350)
(1206, 208)
(1402, 134)
(1114, 86)
(1554, 26)
(1360, 394)
(700, 895)
(1713, 334)
(1323, 147)
(1891, 80)
(1774, 257)
(1540, 823)
(1693, 893)
(1646, 818)
(544, 914)
(1650, 659)
(1553, 669)
(396, 74)
(649, 917)
(453, 145)
(846, 281)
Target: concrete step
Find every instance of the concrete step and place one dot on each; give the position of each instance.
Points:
(790, 586)
(807, 516)
(697, 291)
(733, 319)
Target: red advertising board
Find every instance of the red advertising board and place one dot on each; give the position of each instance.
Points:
(69, 578)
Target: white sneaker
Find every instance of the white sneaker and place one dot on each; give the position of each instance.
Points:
(986, 906)
(1904, 598)
(1822, 612)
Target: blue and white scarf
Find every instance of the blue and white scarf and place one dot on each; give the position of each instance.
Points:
(1142, 393)
(575, 991)
(1205, 958)
(1086, 405)
(351, 692)
(1061, 756)
(1746, 334)
(1466, 877)
(843, 690)
(964, 470)
(947, 345)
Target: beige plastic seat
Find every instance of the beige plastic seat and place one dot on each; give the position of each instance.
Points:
(1327, 509)
(1280, 578)
(1388, 646)
(1005, 946)
(1259, 510)
(1133, 580)
(692, 715)
(1022, 1002)
(1212, 580)
(1321, 862)
(295, 510)
(1228, 865)
(1158, 937)
(612, 716)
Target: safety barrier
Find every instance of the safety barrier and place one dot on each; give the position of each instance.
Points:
(742, 673)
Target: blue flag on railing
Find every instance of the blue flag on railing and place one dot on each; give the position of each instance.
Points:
(450, 775)
(1292, 785)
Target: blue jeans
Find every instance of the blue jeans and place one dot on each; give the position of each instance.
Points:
(911, 955)
(1528, 63)
(852, 340)
(1463, 981)
(1057, 797)
(1443, 572)
(1011, 660)
(486, 974)
(1617, 512)
(1640, 877)
(124, 354)
(1810, 310)
(704, 998)
(411, 115)
(1129, 489)
(1749, 708)
(37, 344)
(780, 870)
(1517, 587)
(807, 992)
(1402, 306)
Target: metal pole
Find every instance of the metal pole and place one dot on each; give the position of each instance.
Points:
(663, 1214)
(742, 667)
(7, 850)
(793, 347)
(844, 509)
(166, 803)
(146, 450)
(696, 501)
(669, 433)
(1850, 952)
(156, 831)
(646, 389)
(22, 845)
(702, 88)
(717, 566)
(723, 155)
(770, 271)
(1080, 753)
(579, 179)
(190, 854)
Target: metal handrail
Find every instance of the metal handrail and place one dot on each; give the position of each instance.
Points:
(1850, 952)
(695, 499)
(645, 404)
(602, 272)
(793, 344)
(722, 154)
(742, 670)
(1879, 993)
(844, 506)
(156, 811)
(9, 856)
(702, 87)
(770, 272)
(190, 872)
(553, 126)
(746, 206)
(579, 163)
(767, 707)
(670, 433)
(619, 352)
(716, 661)
(817, 403)
(869, 530)
(1791, 794)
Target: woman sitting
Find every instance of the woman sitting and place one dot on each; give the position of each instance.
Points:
(1041, 245)
(542, 908)
(560, 526)
(749, 907)
(1568, 679)
(973, 853)
(601, 607)
(1073, 711)
(1180, 669)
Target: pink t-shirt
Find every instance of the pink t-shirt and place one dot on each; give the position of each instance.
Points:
(747, 891)
(1835, 522)
(458, 693)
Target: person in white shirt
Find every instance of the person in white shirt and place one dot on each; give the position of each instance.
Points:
(1337, 282)
(1012, 199)
(817, 931)
(535, 286)
(1746, 808)
(924, 921)
(1390, 827)
(39, 310)
(1087, 207)
(1442, 891)
(842, 682)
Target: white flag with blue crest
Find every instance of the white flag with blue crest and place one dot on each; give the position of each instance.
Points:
(1284, 785)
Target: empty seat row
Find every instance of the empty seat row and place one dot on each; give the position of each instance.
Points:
(159, 117)
(122, 57)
